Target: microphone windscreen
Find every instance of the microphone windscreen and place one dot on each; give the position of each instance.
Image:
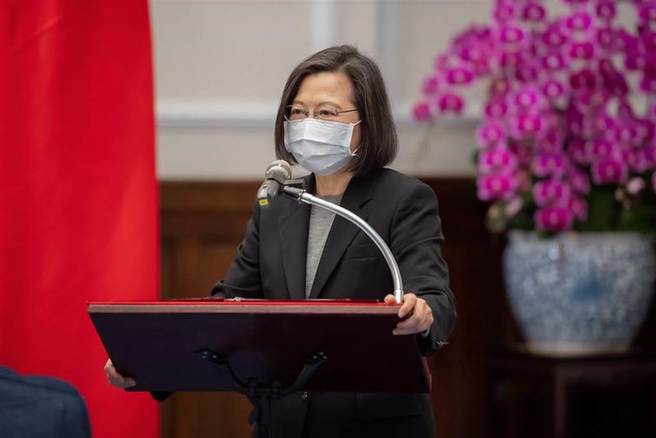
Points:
(279, 170)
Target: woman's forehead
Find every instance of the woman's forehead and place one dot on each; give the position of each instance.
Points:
(323, 87)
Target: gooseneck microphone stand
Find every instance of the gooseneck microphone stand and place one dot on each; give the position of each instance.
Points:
(302, 195)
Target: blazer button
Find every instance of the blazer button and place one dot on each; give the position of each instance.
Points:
(304, 395)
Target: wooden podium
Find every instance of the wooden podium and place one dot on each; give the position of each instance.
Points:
(261, 348)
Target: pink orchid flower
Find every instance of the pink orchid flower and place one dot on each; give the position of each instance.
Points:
(490, 133)
(496, 186)
(579, 181)
(606, 10)
(551, 192)
(549, 164)
(496, 109)
(578, 21)
(579, 208)
(609, 171)
(534, 12)
(451, 102)
(554, 219)
(498, 160)
(421, 111)
(430, 85)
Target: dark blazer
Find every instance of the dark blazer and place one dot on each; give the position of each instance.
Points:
(39, 406)
(271, 263)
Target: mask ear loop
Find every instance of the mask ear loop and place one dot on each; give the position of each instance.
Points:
(355, 152)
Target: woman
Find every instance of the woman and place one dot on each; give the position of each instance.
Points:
(334, 120)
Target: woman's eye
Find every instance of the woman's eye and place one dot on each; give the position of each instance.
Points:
(325, 113)
(297, 113)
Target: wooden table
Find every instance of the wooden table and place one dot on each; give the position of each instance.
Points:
(594, 396)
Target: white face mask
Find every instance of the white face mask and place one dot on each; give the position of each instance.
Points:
(319, 146)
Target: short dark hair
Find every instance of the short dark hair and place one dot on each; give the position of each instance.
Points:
(379, 141)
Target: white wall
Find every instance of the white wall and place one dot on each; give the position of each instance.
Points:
(220, 66)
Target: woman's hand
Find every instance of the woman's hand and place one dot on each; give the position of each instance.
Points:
(421, 315)
(115, 378)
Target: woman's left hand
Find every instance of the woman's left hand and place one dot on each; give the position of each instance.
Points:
(421, 315)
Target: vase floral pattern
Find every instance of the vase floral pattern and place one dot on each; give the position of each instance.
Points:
(579, 293)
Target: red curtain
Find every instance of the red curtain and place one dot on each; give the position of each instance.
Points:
(78, 193)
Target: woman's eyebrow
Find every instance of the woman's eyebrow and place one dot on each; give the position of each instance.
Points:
(325, 102)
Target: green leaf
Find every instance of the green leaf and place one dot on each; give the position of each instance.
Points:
(524, 219)
(602, 210)
(641, 215)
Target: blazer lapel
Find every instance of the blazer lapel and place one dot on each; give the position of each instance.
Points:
(342, 232)
(293, 223)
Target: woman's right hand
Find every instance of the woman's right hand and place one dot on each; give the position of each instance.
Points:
(115, 378)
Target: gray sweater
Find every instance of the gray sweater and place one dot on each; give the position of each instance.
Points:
(320, 222)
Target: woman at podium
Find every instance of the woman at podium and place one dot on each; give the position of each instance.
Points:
(334, 120)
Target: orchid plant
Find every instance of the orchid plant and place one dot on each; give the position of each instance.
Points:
(567, 138)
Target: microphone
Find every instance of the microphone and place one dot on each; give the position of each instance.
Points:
(275, 175)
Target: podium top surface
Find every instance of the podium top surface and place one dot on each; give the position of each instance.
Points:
(246, 306)
(157, 343)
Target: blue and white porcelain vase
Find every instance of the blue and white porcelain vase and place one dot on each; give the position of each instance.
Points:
(579, 293)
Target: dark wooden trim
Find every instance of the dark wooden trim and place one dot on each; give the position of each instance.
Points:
(195, 208)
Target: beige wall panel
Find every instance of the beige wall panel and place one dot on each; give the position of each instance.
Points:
(356, 24)
(208, 154)
(227, 49)
(425, 29)
(446, 151)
